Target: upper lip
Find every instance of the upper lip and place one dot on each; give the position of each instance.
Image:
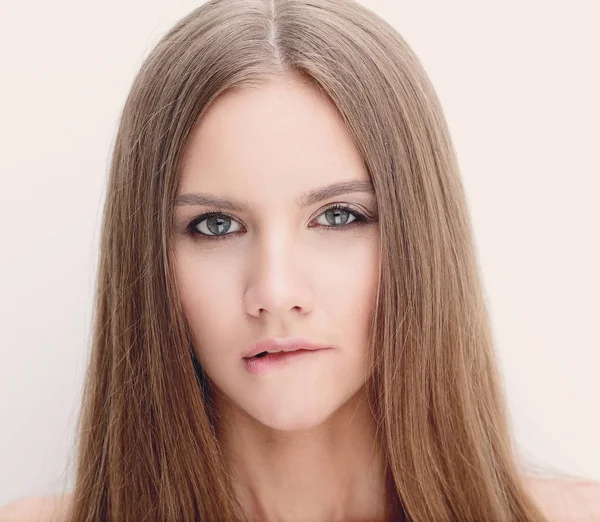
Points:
(287, 344)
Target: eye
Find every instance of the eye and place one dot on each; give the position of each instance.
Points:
(340, 215)
(213, 224)
(217, 225)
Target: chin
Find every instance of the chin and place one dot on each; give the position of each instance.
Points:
(290, 420)
(295, 413)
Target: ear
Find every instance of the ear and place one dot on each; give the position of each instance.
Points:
(566, 499)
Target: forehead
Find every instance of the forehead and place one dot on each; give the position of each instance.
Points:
(279, 139)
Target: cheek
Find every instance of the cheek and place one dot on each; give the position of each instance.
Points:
(207, 292)
(349, 285)
(342, 281)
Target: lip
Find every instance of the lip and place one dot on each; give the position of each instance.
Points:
(285, 344)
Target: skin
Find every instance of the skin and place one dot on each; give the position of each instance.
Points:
(562, 500)
(299, 439)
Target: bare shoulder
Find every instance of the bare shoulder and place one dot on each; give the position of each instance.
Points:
(51, 508)
(566, 499)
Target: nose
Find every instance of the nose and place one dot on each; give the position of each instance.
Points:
(277, 278)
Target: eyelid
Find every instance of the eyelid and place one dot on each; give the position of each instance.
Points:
(345, 206)
(359, 213)
(360, 216)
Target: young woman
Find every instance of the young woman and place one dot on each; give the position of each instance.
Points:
(283, 181)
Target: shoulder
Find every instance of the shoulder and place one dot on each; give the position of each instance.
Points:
(561, 500)
(566, 499)
(51, 508)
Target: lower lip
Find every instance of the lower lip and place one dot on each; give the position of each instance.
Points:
(271, 361)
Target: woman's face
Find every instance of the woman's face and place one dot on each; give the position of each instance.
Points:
(280, 265)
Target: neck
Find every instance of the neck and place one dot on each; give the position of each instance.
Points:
(331, 472)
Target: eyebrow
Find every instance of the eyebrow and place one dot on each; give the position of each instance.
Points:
(304, 200)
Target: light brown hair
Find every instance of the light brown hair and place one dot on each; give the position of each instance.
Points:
(147, 449)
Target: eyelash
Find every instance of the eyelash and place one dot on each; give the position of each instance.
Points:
(359, 219)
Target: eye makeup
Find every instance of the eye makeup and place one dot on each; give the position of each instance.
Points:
(336, 210)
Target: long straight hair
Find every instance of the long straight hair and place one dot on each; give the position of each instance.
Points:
(146, 445)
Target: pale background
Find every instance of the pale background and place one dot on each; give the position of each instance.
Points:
(519, 83)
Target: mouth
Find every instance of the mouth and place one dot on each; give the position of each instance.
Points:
(277, 345)
(263, 354)
(267, 361)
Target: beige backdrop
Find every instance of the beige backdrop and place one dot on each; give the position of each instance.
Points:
(519, 82)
